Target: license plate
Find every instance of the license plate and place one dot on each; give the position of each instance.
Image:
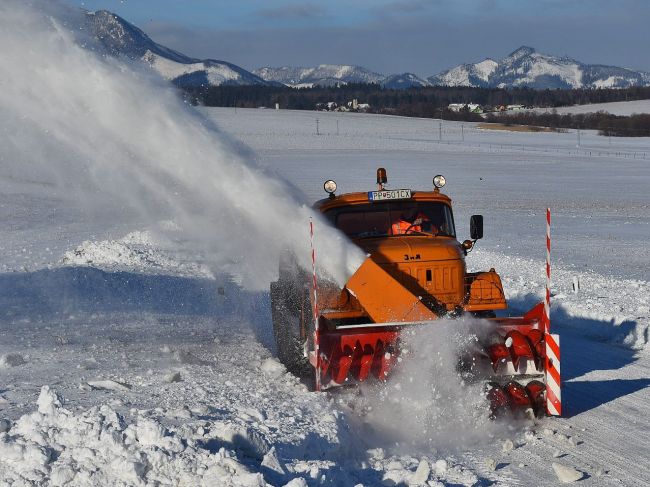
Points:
(389, 194)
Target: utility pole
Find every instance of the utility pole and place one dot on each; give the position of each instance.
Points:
(337, 126)
(440, 131)
(462, 132)
(578, 137)
(317, 131)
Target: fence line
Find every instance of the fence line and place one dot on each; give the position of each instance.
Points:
(461, 135)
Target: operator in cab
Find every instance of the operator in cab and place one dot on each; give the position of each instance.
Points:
(416, 222)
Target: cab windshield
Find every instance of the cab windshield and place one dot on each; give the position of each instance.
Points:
(387, 219)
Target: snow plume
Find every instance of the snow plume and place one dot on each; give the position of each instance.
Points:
(118, 141)
(426, 403)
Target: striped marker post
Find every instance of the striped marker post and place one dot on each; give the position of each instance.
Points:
(552, 361)
(547, 301)
(553, 392)
(314, 286)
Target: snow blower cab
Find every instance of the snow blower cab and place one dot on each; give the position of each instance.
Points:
(415, 273)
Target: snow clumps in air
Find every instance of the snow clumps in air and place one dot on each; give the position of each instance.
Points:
(272, 368)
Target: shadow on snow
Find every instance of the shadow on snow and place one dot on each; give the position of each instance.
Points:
(582, 396)
(63, 291)
(587, 345)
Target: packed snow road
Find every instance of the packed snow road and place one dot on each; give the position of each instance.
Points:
(177, 370)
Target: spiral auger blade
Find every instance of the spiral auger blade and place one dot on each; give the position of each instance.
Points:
(511, 361)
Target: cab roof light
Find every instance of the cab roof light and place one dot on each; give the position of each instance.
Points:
(382, 178)
(330, 187)
(439, 181)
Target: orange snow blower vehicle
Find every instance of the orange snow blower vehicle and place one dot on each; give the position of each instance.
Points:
(415, 273)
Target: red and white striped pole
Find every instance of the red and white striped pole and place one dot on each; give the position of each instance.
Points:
(314, 286)
(553, 391)
(547, 301)
(552, 365)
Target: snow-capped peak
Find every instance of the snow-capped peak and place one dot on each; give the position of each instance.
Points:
(120, 38)
(523, 51)
(527, 67)
(467, 74)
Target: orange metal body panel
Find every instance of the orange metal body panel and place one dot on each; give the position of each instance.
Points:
(485, 292)
(384, 298)
(425, 267)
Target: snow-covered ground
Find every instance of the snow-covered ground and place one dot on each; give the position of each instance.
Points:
(165, 367)
(615, 108)
(137, 242)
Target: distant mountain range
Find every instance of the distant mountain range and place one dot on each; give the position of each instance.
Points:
(333, 74)
(523, 67)
(527, 67)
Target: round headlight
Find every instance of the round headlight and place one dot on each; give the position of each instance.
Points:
(439, 181)
(329, 186)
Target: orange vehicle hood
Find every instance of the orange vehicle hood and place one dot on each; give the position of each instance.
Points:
(411, 248)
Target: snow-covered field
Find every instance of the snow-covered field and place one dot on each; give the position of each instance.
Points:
(166, 369)
(597, 192)
(137, 242)
(625, 108)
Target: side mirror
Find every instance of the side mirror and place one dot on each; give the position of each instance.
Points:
(476, 227)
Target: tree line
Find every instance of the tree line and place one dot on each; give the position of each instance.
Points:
(432, 102)
(605, 123)
(435, 97)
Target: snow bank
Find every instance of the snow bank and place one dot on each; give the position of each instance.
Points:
(606, 308)
(137, 251)
(100, 447)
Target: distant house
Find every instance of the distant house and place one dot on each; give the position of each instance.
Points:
(470, 107)
(515, 108)
(355, 106)
(330, 106)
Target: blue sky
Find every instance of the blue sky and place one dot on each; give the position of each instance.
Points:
(390, 36)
